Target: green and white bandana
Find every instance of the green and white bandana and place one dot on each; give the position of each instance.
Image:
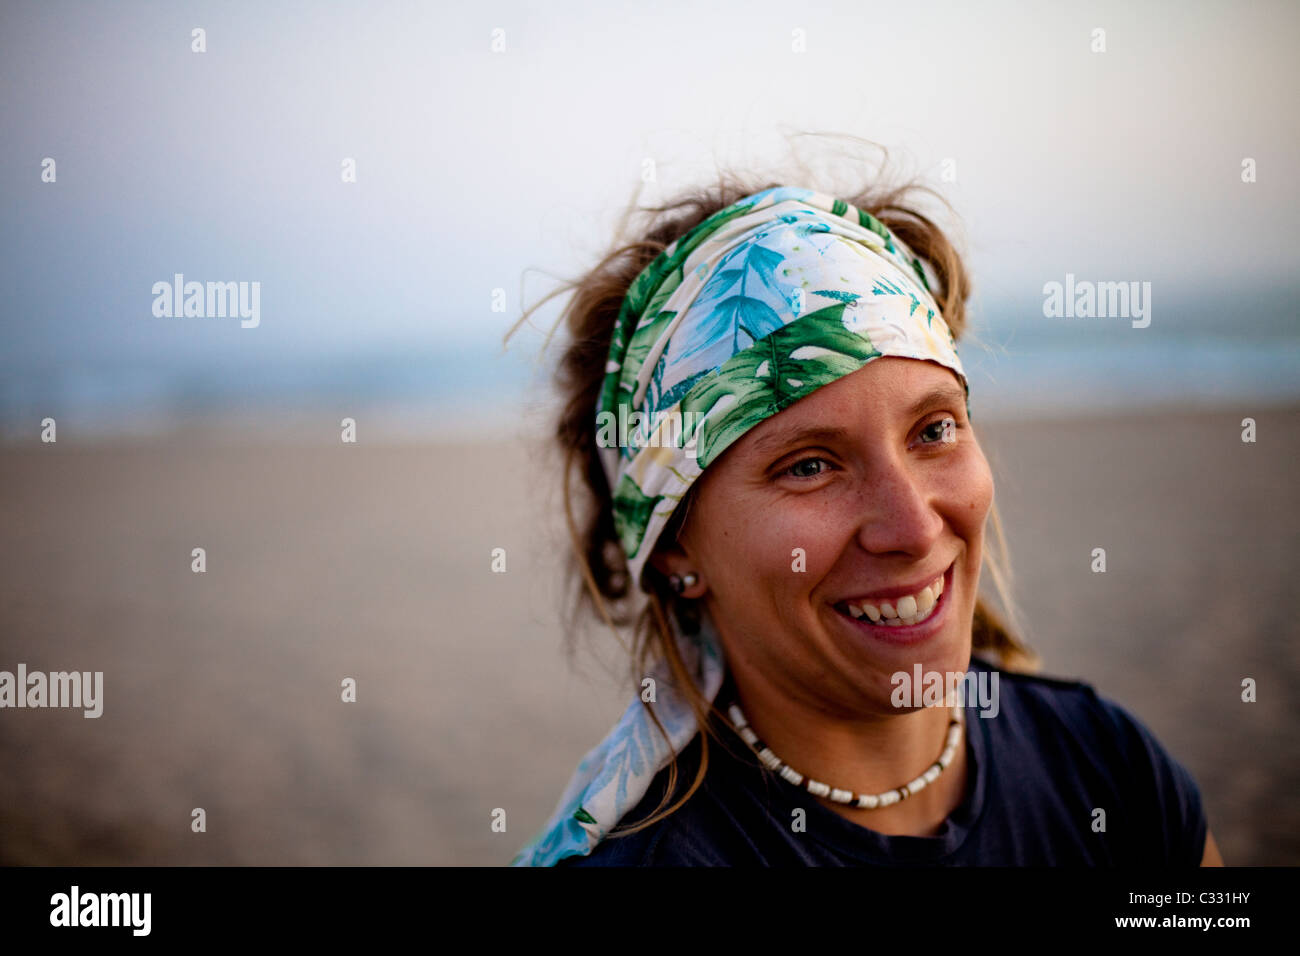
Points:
(761, 304)
(765, 301)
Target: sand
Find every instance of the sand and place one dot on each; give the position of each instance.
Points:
(373, 561)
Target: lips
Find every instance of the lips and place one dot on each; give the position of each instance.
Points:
(900, 605)
(900, 633)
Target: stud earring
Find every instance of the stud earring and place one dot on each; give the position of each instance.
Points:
(680, 583)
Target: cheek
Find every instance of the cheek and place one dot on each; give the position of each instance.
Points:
(768, 545)
(969, 493)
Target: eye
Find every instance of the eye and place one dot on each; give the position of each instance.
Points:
(797, 469)
(940, 430)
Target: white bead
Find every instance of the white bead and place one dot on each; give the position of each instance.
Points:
(770, 760)
(917, 784)
(789, 773)
(748, 736)
(868, 800)
(930, 774)
(841, 796)
(889, 798)
(818, 789)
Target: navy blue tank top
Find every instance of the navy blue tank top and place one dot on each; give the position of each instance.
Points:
(1036, 773)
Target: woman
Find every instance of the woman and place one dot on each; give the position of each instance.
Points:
(802, 498)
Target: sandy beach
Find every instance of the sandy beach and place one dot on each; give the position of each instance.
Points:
(222, 690)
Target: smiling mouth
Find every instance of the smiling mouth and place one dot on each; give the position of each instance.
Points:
(903, 611)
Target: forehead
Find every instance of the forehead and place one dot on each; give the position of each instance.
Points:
(883, 390)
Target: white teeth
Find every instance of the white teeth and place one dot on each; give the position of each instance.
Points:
(908, 610)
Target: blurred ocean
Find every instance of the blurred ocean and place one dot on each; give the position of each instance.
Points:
(416, 394)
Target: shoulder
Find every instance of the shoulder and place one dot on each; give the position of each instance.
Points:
(706, 830)
(665, 842)
(1048, 704)
(634, 849)
(1041, 694)
(1095, 743)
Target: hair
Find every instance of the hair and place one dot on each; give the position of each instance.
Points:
(597, 557)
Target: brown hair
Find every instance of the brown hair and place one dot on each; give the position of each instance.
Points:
(597, 557)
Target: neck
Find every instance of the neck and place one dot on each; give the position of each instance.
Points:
(862, 753)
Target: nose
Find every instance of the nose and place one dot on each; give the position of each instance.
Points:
(897, 511)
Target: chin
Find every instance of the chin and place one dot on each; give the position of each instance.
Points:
(945, 650)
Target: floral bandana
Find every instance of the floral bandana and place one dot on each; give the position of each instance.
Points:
(759, 305)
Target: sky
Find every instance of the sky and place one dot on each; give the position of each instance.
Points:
(497, 144)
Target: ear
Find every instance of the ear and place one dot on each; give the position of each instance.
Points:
(670, 560)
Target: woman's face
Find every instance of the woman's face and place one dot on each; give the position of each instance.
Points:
(883, 498)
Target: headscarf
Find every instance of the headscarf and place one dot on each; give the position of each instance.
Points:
(761, 304)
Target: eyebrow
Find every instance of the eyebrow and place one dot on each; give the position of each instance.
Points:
(944, 394)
